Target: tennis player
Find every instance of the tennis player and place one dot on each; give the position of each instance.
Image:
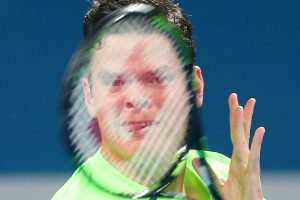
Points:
(237, 179)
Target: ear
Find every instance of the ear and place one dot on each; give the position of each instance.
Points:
(88, 97)
(200, 88)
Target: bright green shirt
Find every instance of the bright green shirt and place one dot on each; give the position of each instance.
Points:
(79, 187)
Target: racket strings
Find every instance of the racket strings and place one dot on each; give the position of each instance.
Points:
(137, 25)
(168, 127)
(144, 168)
(160, 142)
(174, 142)
(85, 143)
(172, 109)
(167, 138)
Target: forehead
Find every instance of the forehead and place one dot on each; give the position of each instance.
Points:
(119, 50)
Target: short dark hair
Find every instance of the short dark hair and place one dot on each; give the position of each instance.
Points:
(175, 14)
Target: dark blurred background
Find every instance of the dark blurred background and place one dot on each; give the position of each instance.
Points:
(248, 47)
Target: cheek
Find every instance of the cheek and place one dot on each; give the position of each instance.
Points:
(158, 98)
(108, 104)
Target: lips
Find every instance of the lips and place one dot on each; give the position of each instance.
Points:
(136, 126)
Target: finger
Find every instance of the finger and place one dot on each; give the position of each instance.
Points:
(233, 103)
(248, 113)
(240, 146)
(255, 191)
(254, 159)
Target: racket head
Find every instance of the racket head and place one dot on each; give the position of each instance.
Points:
(137, 52)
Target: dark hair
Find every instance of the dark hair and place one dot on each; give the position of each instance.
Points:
(175, 14)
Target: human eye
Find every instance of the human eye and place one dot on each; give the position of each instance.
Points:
(112, 81)
(160, 77)
(152, 79)
(118, 83)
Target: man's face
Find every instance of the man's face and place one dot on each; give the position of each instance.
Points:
(132, 83)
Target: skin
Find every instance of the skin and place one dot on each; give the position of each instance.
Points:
(136, 64)
(243, 182)
(123, 100)
(244, 174)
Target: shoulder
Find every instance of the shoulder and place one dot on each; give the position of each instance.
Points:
(79, 185)
(193, 183)
(70, 190)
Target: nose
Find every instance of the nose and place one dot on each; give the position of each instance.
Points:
(137, 103)
(137, 97)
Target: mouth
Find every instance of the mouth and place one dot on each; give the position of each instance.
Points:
(139, 128)
(135, 126)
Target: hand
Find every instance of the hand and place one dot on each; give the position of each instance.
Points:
(243, 181)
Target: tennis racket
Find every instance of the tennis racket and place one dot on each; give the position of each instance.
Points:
(129, 96)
